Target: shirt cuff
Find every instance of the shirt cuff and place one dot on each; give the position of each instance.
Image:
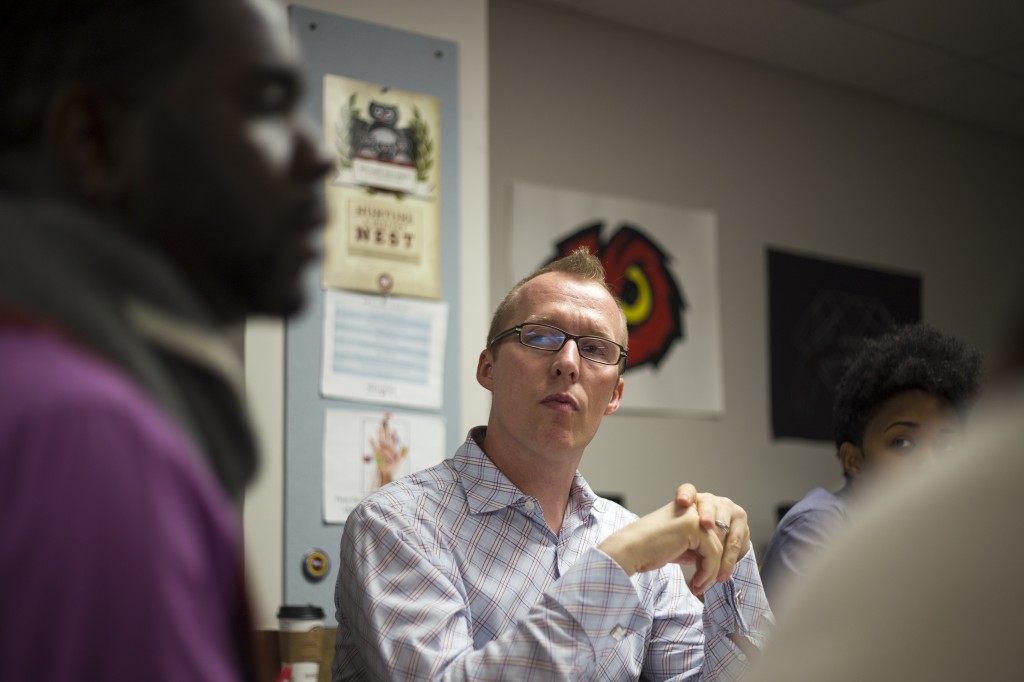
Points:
(739, 606)
(603, 600)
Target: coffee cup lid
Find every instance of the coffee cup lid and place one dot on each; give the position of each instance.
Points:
(304, 612)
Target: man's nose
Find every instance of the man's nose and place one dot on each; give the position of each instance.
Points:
(312, 158)
(567, 359)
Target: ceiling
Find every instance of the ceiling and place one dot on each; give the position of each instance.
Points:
(960, 58)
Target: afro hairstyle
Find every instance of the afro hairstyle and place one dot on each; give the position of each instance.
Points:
(906, 358)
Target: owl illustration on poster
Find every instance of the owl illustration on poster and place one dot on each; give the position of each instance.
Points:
(639, 273)
(383, 234)
(661, 263)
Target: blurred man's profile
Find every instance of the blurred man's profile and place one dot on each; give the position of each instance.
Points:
(157, 182)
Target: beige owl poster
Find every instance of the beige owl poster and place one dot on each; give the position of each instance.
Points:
(383, 197)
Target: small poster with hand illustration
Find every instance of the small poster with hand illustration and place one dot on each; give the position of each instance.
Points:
(387, 456)
(366, 450)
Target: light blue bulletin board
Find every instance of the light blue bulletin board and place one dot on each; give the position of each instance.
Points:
(353, 49)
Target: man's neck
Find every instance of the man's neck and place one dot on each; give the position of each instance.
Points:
(549, 480)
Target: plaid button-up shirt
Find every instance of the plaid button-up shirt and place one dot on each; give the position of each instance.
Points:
(452, 573)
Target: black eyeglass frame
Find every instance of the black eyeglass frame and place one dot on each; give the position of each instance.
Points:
(518, 331)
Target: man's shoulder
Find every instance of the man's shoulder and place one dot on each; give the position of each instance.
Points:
(53, 388)
(424, 489)
(44, 371)
(63, 409)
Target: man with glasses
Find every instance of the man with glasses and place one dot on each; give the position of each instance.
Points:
(502, 563)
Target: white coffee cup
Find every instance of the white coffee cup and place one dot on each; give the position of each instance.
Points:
(301, 640)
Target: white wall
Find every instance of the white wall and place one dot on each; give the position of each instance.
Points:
(783, 161)
(465, 23)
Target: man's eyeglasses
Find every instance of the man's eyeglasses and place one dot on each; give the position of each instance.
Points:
(546, 337)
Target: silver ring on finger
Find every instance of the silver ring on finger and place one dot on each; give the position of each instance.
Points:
(723, 525)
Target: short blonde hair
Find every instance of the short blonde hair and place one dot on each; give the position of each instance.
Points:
(581, 264)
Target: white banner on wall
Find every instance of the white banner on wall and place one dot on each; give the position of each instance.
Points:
(383, 349)
(662, 263)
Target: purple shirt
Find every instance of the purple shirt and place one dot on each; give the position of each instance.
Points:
(118, 551)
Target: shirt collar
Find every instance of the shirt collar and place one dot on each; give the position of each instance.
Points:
(488, 490)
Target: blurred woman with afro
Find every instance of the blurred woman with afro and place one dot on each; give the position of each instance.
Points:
(900, 403)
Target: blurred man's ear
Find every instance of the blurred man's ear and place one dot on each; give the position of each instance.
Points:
(485, 369)
(852, 458)
(86, 134)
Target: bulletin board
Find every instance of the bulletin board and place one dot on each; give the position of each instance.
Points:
(333, 45)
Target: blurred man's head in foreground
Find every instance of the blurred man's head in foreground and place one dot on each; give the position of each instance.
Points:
(176, 121)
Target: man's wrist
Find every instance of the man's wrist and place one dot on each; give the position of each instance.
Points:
(617, 552)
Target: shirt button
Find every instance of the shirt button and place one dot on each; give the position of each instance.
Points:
(529, 505)
(739, 597)
(618, 632)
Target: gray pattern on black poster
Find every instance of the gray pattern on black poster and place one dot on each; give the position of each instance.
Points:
(818, 311)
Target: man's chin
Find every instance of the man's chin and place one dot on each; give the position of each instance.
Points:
(281, 304)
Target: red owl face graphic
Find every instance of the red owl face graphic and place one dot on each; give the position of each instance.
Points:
(637, 272)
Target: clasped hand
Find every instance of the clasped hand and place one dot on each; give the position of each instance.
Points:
(684, 532)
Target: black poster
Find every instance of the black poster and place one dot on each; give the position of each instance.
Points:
(818, 311)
